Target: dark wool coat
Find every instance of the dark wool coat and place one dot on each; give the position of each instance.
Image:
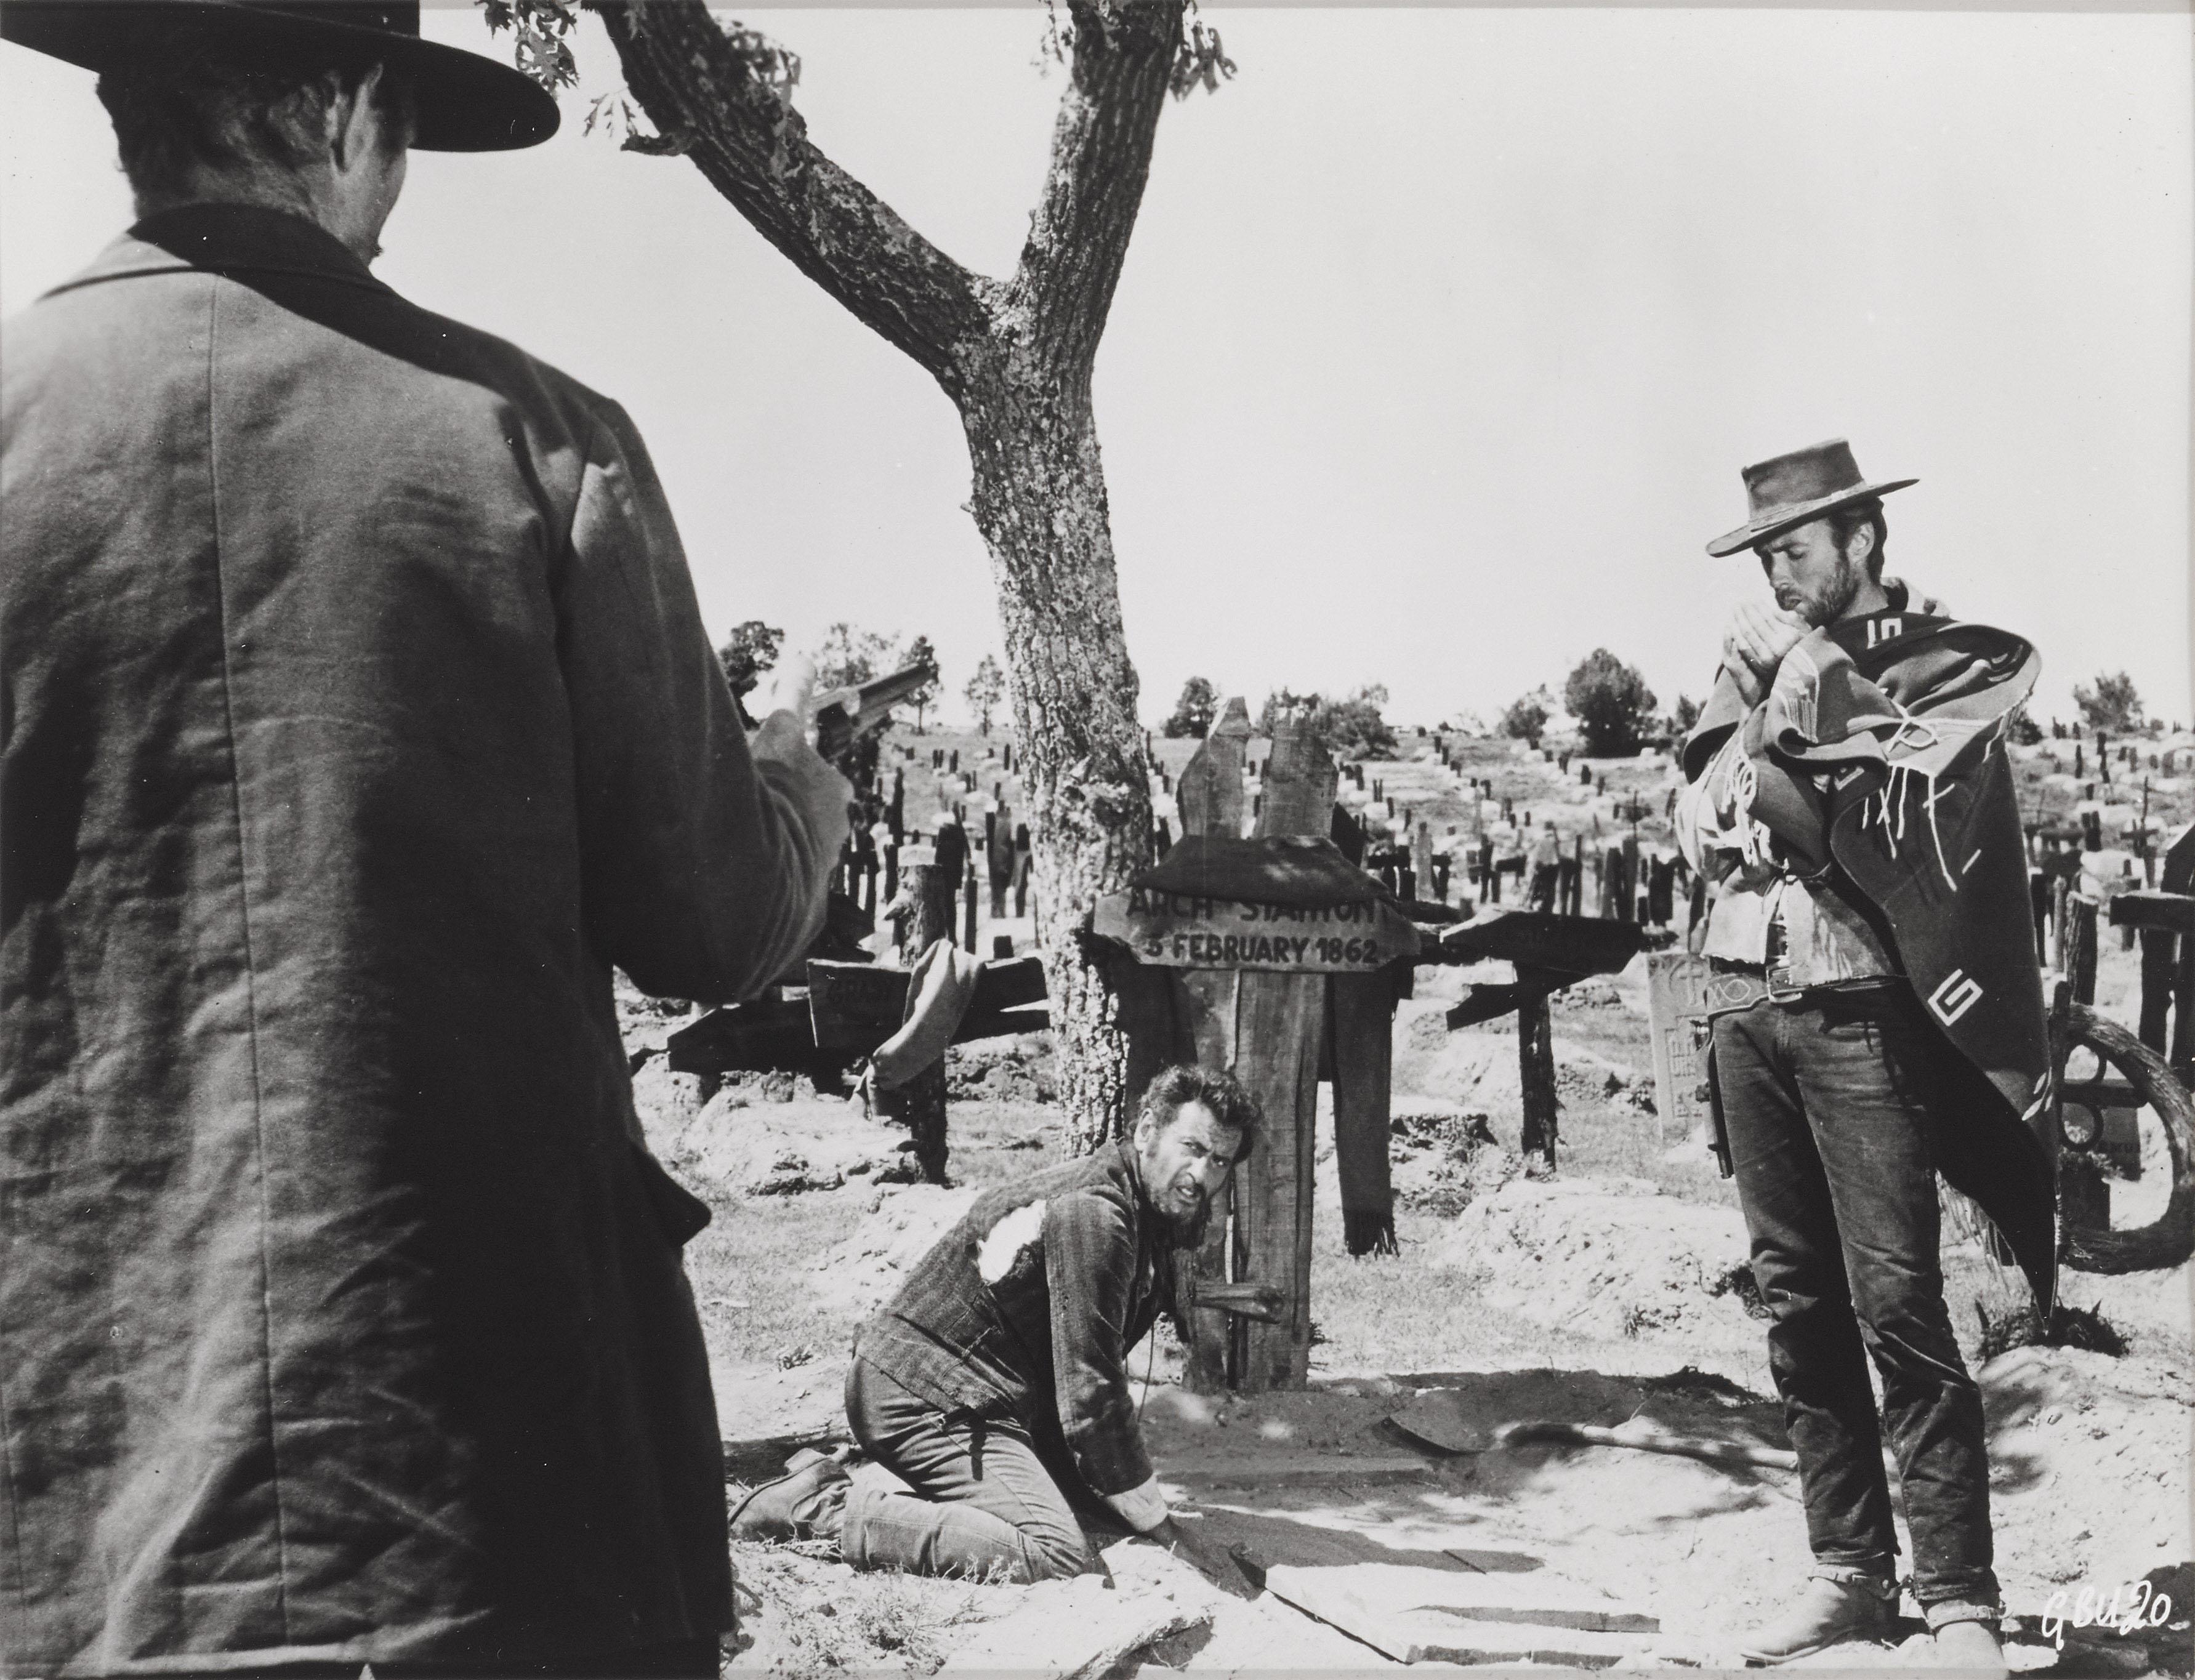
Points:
(358, 716)
(1879, 756)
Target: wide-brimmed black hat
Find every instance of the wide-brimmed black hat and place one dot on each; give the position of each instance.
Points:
(1793, 489)
(467, 102)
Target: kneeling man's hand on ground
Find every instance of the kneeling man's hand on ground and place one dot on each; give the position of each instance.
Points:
(1207, 1556)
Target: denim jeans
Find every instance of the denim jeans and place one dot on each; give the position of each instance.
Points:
(1829, 1107)
(981, 1501)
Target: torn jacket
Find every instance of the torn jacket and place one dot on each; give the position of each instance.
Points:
(1027, 1309)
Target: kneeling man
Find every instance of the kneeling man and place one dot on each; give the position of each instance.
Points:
(996, 1387)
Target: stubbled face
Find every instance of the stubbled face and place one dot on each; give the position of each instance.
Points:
(1811, 576)
(1184, 1163)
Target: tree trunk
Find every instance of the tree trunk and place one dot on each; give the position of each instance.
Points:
(1016, 358)
(1040, 502)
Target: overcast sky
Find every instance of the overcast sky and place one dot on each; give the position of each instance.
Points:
(1443, 337)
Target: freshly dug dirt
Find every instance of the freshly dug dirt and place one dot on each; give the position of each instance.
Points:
(864, 1271)
(1002, 1070)
(1608, 1257)
(781, 1148)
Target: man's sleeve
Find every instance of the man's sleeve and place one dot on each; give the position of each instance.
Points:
(1090, 1264)
(702, 878)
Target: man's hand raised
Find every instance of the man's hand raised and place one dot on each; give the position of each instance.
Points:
(783, 739)
(1754, 643)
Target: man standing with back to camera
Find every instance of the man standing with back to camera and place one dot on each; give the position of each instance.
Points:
(359, 717)
(1878, 1019)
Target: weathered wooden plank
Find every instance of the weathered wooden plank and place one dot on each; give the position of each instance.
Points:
(759, 1037)
(1299, 785)
(2080, 958)
(1416, 1615)
(1277, 1022)
(1205, 1000)
(856, 1006)
(2168, 913)
(1174, 930)
(2100, 1094)
(1360, 1024)
(1210, 791)
(1580, 944)
(1536, 1059)
(2160, 966)
(1489, 1002)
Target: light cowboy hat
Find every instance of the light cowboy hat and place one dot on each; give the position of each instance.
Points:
(1790, 490)
(467, 102)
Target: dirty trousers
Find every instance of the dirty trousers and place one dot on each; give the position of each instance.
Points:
(1829, 1106)
(983, 1504)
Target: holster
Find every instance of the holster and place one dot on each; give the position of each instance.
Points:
(1728, 990)
(1721, 1144)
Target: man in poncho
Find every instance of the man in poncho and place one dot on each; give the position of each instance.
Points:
(1879, 1019)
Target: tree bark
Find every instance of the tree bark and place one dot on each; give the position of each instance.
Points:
(1016, 358)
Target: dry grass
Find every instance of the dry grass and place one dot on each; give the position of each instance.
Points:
(820, 1618)
(747, 1270)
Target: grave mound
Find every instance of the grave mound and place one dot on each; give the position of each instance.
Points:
(1605, 1257)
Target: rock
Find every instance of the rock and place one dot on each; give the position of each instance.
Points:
(782, 1148)
(864, 1271)
(1607, 1257)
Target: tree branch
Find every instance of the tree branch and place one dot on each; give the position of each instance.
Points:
(752, 146)
(1123, 59)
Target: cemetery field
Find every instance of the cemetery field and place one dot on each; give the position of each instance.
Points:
(1612, 1292)
(1604, 1293)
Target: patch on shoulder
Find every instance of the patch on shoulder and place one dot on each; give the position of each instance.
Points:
(1022, 1229)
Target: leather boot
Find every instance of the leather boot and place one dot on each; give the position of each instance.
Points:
(807, 1502)
(1971, 1647)
(1826, 1613)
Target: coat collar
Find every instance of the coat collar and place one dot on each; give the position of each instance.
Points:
(225, 239)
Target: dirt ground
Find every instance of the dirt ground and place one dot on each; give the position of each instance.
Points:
(1614, 1293)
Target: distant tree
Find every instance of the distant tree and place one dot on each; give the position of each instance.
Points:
(1193, 712)
(1285, 706)
(1527, 715)
(986, 691)
(749, 650)
(2112, 704)
(2024, 730)
(1354, 728)
(1684, 718)
(1350, 727)
(919, 652)
(1013, 352)
(851, 657)
(1612, 704)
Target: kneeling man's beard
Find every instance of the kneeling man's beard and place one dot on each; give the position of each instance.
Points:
(1185, 1233)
